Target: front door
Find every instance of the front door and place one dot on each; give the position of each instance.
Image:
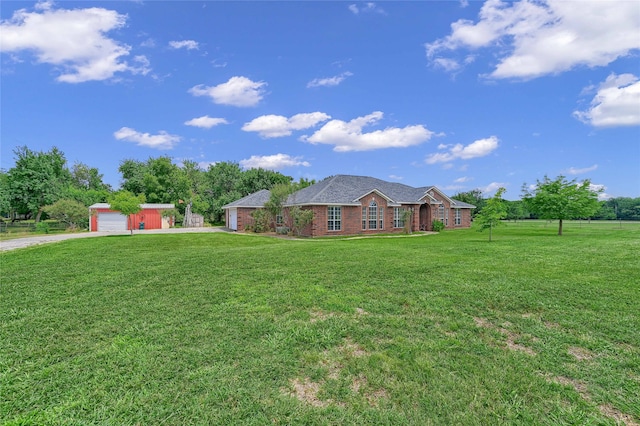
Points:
(424, 218)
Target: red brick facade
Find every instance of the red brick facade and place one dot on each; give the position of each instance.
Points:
(351, 220)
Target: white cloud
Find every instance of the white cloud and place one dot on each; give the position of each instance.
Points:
(274, 126)
(184, 44)
(366, 7)
(463, 179)
(238, 91)
(492, 187)
(479, 148)
(205, 122)
(329, 81)
(546, 37)
(600, 189)
(348, 136)
(615, 104)
(394, 177)
(73, 40)
(576, 171)
(446, 64)
(273, 162)
(162, 140)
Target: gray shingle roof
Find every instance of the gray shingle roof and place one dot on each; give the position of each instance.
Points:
(257, 199)
(344, 190)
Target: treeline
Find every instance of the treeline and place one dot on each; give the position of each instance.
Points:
(41, 179)
(619, 208)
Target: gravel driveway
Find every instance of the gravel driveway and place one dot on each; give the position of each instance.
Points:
(17, 243)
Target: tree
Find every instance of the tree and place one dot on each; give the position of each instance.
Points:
(300, 218)
(278, 196)
(126, 203)
(89, 178)
(37, 179)
(516, 210)
(492, 213)
(561, 199)
(254, 180)
(70, 212)
(473, 197)
(5, 195)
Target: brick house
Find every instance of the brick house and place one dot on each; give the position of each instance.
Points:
(351, 205)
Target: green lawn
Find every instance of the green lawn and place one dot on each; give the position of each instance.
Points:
(220, 329)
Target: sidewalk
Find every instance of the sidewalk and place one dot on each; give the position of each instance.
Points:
(44, 239)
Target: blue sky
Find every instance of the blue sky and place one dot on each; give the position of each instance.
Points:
(457, 94)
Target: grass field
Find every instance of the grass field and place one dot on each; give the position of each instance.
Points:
(221, 329)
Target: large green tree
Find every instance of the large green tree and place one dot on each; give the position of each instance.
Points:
(561, 199)
(492, 213)
(127, 203)
(37, 179)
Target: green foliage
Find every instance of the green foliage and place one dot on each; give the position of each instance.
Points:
(516, 210)
(85, 196)
(5, 194)
(126, 203)
(560, 199)
(473, 197)
(70, 212)
(300, 218)
(42, 228)
(491, 215)
(278, 196)
(261, 221)
(88, 178)
(623, 208)
(36, 180)
(437, 225)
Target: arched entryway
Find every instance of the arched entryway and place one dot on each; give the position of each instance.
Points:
(425, 217)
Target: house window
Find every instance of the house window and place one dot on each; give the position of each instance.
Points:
(334, 218)
(373, 215)
(364, 218)
(381, 219)
(398, 221)
(441, 213)
(279, 219)
(458, 217)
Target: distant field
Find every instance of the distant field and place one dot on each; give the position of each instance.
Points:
(218, 329)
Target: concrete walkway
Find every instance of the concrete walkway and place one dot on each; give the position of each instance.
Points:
(17, 243)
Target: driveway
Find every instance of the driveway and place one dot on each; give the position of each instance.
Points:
(44, 239)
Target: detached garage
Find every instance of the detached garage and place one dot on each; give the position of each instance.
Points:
(102, 218)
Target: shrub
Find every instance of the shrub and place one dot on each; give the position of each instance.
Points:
(42, 228)
(437, 225)
(260, 221)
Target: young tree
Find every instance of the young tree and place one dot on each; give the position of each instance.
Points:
(492, 213)
(561, 199)
(278, 197)
(37, 179)
(127, 204)
(70, 212)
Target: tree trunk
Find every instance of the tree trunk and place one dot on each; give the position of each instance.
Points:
(560, 227)
(39, 214)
